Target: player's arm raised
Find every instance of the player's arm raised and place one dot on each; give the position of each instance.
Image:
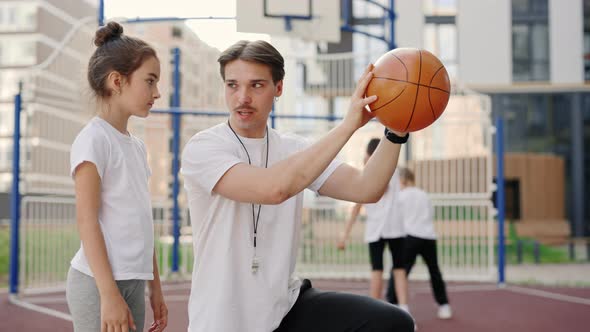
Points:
(246, 183)
(366, 185)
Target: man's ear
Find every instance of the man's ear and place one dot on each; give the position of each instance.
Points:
(279, 87)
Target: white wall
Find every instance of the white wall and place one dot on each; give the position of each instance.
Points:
(485, 39)
(409, 24)
(566, 41)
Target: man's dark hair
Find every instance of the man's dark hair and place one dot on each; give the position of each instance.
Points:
(256, 51)
(372, 146)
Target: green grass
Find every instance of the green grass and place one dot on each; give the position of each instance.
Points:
(161, 249)
(4, 248)
(47, 244)
(547, 254)
(358, 253)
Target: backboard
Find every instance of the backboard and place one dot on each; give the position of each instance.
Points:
(315, 20)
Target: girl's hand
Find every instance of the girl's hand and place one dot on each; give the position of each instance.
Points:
(115, 314)
(160, 311)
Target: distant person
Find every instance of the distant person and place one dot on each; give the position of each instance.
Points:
(106, 283)
(382, 228)
(417, 212)
(244, 184)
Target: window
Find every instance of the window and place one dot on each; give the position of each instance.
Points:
(530, 40)
(17, 16)
(440, 32)
(587, 40)
(17, 51)
(6, 119)
(538, 123)
(441, 39)
(440, 7)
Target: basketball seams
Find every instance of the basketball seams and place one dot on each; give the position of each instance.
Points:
(418, 84)
(391, 82)
(429, 99)
(390, 101)
(403, 64)
(417, 91)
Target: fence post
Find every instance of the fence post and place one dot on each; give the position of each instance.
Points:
(500, 197)
(519, 251)
(15, 198)
(537, 252)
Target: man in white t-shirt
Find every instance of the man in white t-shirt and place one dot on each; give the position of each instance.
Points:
(244, 184)
(416, 211)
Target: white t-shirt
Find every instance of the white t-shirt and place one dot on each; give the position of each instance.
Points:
(125, 214)
(417, 212)
(226, 296)
(382, 221)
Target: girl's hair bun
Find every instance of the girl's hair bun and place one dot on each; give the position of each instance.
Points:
(111, 31)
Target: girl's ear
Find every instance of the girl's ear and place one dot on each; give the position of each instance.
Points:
(114, 82)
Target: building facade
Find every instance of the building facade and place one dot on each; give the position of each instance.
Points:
(40, 51)
(44, 49)
(532, 57)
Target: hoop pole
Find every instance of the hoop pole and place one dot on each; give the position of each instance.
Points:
(15, 198)
(100, 13)
(391, 16)
(175, 160)
(389, 13)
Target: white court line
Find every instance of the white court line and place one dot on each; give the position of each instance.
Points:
(46, 300)
(549, 295)
(54, 313)
(62, 299)
(457, 289)
(176, 298)
(166, 287)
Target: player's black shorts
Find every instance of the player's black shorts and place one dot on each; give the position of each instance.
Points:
(396, 248)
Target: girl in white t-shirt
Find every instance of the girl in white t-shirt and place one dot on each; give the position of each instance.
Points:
(382, 228)
(417, 212)
(105, 288)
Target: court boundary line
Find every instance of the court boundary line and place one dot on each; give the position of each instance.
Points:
(548, 295)
(40, 309)
(31, 303)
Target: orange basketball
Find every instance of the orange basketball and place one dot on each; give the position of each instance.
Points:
(413, 88)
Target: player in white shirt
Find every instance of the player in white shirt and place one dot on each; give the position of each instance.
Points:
(417, 213)
(382, 228)
(244, 184)
(105, 287)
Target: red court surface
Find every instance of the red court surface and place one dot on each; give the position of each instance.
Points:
(476, 307)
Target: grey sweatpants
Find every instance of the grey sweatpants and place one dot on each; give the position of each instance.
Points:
(84, 300)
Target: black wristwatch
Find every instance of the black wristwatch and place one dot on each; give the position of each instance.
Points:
(392, 137)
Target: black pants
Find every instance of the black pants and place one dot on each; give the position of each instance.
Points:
(321, 311)
(413, 247)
